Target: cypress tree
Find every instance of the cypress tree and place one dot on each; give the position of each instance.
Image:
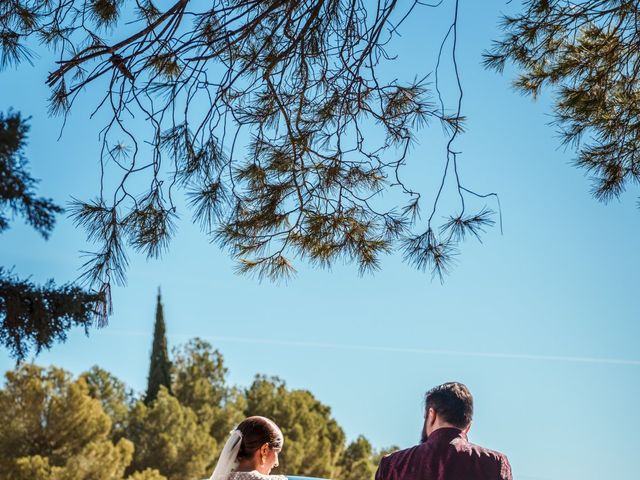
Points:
(160, 365)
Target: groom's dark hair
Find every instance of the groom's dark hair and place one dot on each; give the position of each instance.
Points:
(453, 402)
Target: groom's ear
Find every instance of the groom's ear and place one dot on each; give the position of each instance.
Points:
(431, 416)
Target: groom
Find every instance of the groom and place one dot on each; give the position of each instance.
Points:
(445, 453)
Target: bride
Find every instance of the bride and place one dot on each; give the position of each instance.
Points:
(250, 452)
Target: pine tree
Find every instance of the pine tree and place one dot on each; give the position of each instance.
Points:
(33, 317)
(199, 382)
(587, 51)
(51, 429)
(303, 80)
(168, 438)
(160, 365)
(357, 462)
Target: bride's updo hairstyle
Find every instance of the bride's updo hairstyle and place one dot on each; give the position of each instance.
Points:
(256, 431)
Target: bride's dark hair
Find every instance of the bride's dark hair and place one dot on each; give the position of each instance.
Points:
(256, 431)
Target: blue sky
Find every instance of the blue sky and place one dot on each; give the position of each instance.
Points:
(540, 322)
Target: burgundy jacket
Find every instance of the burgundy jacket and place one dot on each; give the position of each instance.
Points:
(446, 455)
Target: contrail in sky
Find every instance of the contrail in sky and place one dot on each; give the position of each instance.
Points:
(374, 348)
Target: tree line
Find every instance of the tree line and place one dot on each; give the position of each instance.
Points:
(58, 427)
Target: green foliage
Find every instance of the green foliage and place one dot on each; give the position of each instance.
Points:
(199, 376)
(112, 395)
(160, 365)
(199, 382)
(31, 316)
(357, 461)
(105, 12)
(169, 438)
(17, 195)
(586, 51)
(92, 428)
(97, 461)
(50, 428)
(302, 82)
(148, 474)
(385, 451)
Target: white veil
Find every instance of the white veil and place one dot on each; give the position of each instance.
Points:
(228, 458)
